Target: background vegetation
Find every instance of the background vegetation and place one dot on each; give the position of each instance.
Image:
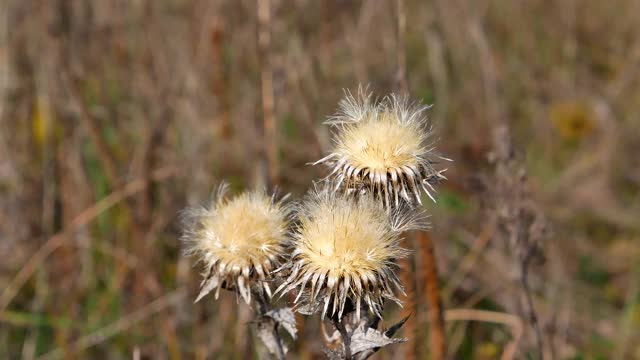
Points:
(114, 115)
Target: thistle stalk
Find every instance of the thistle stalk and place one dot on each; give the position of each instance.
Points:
(267, 328)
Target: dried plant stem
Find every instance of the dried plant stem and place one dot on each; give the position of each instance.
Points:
(401, 72)
(268, 328)
(528, 298)
(510, 180)
(437, 340)
(268, 102)
(220, 85)
(344, 334)
(517, 224)
(347, 325)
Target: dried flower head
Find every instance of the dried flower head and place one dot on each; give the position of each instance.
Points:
(239, 240)
(383, 147)
(345, 252)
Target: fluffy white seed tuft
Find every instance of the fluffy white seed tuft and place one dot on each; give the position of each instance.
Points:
(384, 148)
(345, 253)
(239, 240)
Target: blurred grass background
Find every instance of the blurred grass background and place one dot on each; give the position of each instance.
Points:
(114, 115)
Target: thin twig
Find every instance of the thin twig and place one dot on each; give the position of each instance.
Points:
(468, 262)
(531, 310)
(514, 322)
(515, 223)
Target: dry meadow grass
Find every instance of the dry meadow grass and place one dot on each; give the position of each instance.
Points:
(114, 115)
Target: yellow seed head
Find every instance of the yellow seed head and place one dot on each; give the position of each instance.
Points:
(239, 240)
(384, 148)
(345, 252)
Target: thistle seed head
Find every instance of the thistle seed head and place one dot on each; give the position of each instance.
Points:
(384, 148)
(345, 250)
(239, 240)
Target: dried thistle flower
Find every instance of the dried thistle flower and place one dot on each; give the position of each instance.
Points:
(345, 252)
(239, 240)
(383, 147)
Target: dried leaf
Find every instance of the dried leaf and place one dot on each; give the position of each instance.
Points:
(362, 340)
(333, 354)
(309, 307)
(270, 339)
(285, 318)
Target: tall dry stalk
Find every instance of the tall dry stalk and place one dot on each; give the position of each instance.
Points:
(268, 102)
(423, 242)
(407, 265)
(437, 340)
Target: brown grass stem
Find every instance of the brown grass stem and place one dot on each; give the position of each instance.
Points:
(105, 156)
(402, 83)
(268, 102)
(468, 262)
(512, 321)
(84, 218)
(437, 339)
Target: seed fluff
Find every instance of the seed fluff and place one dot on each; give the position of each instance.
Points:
(239, 241)
(345, 250)
(383, 147)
